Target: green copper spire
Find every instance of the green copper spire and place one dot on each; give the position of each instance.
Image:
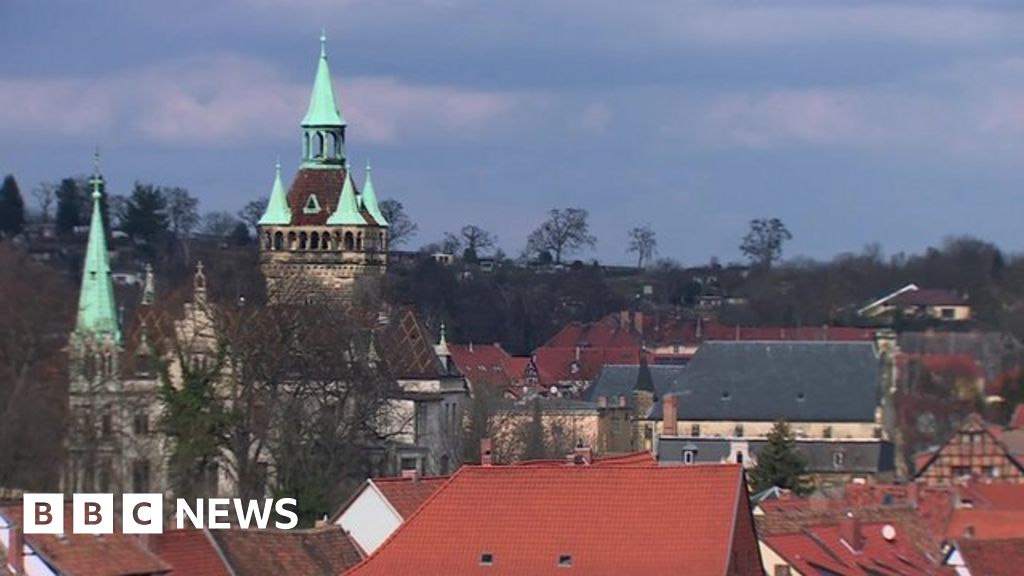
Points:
(370, 199)
(322, 108)
(97, 314)
(277, 211)
(347, 212)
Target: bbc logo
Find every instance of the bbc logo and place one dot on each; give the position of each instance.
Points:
(93, 513)
(144, 513)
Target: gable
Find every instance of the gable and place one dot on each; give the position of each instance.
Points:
(974, 450)
(369, 519)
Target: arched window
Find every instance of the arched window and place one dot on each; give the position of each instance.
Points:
(330, 145)
(380, 241)
(325, 239)
(337, 240)
(359, 241)
(303, 240)
(314, 241)
(291, 240)
(305, 145)
(278, 240)
(444, 465)
(318, 142)
(349, 241)
(267, 244)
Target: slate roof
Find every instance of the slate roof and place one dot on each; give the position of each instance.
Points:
(859, 456)
(88, 555)
(619, 380)
(326, 551)
(524, 519)
(765, 381)
(407, 347)
(992, 557)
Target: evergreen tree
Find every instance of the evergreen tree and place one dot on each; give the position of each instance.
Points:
(12, 208)
(70, 202)
(145, 216)
(778, 463)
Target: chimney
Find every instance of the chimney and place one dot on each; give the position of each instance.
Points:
(622, 401)
(849, 531)
(15, 550)
(602, 401)
(411, 474)
(485, 452)
(669, 416)
(584, 454)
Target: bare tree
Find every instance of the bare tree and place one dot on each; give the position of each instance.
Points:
(643, 243)
(219, 224)
(476, 240)
(451, 244)
(563, 233)
(400, 226)
(252, 212)
(182, 216)
(45, 195)
(763, 243)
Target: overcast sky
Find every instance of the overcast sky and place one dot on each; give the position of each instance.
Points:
(854, 122)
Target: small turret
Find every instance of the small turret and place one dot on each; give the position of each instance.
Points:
(323, 127)
(369, 199)
(278, 212)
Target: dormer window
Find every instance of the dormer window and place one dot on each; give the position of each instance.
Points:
(689, 456)
(565, 561)
(487, 559)
(312, 205)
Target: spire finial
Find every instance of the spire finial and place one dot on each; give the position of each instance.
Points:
(444, 334)
(277, 166)
(96, 180)
(368, 164)
(323, 42)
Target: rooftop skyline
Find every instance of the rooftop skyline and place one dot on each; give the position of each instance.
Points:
(897, 122)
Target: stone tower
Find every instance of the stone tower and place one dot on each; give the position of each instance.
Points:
(323, 235)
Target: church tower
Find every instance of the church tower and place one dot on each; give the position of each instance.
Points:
(324, 235)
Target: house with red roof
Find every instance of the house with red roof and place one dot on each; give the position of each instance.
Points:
(489, 365)
(71, 554)
(987, 557)
(381, 505)
(324, 550)
(977, 449)
(585, 519)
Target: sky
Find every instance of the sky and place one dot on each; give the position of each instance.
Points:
(854, 122)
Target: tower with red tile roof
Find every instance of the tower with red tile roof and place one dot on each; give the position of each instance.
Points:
(323, 235)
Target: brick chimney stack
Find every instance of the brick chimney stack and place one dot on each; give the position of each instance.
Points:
(584, 455)
(485, 452)
(669, 416)
(411, 474)
(15, 550)
(849, 531)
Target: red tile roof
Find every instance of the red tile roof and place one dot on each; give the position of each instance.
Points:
(602, 520)
(556, 365)
(189, 552)
(985, 524)
(669, 331)
(993, 557)
(609, 332)
(405, 494)
(326, 184)
(1017, 420)
(824, 547)
(90, 555)
(485, 365)
(321, 551)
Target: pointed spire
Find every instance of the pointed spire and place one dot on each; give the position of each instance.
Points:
(347, 212)
(97, 313)
(277, 212)
(323, 111)
(369, 199)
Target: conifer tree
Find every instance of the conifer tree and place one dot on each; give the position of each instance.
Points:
(778, 463)
(12, 208)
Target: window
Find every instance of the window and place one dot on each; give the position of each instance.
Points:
(140, 475)
(838, 459)
(107, 425)
(688, 456)
(564, 560)
(695, 430)
(739, 457)
(800, 397)
(948, 313)
(409, 464)
(487, 559)
(827, 432)
(312, 205)
(141, 424)
(420, 425)
(737, 430)
(445, 465)
(726, 396)
(961, 471)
